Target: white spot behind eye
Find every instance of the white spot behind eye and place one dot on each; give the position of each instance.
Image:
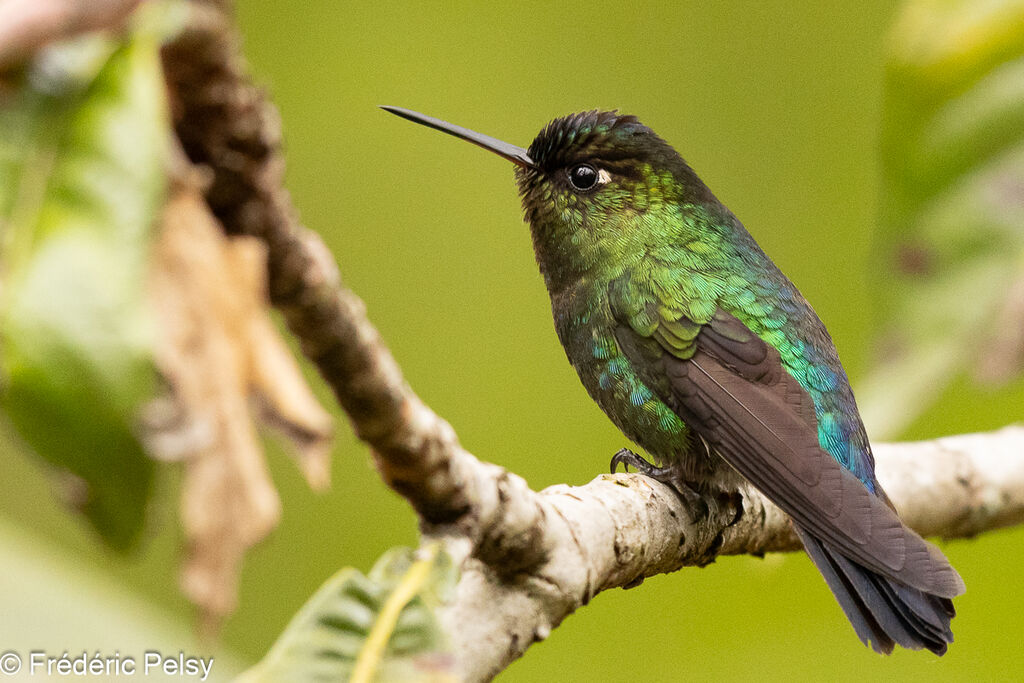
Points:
(603, 176)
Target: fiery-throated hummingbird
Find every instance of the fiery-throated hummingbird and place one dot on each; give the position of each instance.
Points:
(699, 349)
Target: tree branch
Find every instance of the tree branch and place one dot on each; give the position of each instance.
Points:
(618, 529)
(528, 559)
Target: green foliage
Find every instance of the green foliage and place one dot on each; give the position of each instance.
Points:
(951, 249)
(81, 177)
(362, 628)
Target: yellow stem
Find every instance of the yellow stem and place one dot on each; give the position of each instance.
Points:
(372, 652)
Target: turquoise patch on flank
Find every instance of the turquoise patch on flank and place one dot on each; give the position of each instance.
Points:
(640, 395)
(831, 438)
(602, 349)
(670, 422)
(617, 366)
(823, 378)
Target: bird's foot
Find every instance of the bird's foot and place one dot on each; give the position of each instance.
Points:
(628, 458)
(670, 476)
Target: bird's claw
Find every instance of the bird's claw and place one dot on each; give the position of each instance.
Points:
(628, 458)
(670, 476)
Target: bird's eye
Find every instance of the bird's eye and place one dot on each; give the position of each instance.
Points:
(583, 177)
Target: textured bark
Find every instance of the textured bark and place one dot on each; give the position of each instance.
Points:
(619, 529)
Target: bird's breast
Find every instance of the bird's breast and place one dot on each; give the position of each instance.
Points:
(586, 328)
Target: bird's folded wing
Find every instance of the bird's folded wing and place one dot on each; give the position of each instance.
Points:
(731, 388)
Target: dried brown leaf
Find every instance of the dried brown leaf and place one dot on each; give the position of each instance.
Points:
(221, 355)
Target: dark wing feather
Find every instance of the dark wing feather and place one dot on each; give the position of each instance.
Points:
(734, 392)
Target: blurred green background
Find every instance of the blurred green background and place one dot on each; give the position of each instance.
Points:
(776, 105)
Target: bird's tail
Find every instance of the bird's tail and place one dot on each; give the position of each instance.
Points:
(884, 612)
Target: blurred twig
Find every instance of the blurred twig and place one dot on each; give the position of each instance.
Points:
(26, 25)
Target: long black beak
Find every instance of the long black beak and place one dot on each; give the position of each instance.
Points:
(517, 155)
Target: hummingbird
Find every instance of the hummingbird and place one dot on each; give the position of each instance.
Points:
(699, 349)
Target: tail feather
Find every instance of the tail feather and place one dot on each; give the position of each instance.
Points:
(927, 613)
(883, 612)
(864, 623)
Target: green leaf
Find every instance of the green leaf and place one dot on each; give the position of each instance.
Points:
(949, 266)
(381, 627)
(81, 179)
